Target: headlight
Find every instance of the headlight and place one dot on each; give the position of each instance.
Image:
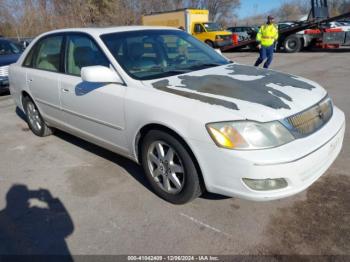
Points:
(247, 135)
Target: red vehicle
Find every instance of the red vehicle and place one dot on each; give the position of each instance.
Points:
(315, 31)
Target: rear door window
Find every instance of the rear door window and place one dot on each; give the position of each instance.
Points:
(48, 54)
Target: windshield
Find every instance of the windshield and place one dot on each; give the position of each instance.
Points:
(8, 48)
(211, 27)
(152, 54)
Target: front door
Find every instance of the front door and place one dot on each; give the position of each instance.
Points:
(94, 110)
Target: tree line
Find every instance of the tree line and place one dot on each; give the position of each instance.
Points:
(27, 18)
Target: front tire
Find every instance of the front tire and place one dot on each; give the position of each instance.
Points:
(169, 168)
(34, 119)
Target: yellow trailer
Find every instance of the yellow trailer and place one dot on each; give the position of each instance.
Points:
(195, 22)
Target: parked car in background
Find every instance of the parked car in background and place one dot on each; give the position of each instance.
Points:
(344, 26)
(194, 120)
(285, 25)
(21, 43)
(244, 32)
(344, 23)
(9, 53)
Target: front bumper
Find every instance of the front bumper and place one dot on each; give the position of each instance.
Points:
(300, 163)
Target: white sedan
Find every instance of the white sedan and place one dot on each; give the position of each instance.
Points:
(194, 120)
(344, 27)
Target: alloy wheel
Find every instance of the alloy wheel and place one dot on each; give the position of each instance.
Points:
(34, 117)
(166, 167)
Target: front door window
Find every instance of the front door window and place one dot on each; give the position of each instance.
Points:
(82, 52)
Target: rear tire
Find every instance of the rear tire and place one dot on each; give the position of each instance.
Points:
(34, 119)
(169, 168)
(292, 44)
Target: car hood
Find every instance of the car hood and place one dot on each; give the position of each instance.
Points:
(248, 92)
(8, 59)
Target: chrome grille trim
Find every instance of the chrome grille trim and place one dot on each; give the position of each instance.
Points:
(4, 70)
(310, 120)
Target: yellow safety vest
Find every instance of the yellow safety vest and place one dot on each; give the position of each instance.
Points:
(267, 34)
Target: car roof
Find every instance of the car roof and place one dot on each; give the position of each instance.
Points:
(97, 31)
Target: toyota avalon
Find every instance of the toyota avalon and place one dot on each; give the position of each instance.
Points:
(194, 120)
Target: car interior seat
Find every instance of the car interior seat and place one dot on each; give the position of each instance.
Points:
(49, 62)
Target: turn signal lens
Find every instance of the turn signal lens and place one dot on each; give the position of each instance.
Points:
(226, 136)
(220, 138)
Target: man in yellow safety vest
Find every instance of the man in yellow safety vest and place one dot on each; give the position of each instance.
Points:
(266, 37)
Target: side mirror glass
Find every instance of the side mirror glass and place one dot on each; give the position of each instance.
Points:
(100, 74)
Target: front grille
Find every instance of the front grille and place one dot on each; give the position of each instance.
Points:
(4, 70)
(309, 121)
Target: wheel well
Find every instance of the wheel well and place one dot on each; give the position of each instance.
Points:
(24, 95)
(143, 132)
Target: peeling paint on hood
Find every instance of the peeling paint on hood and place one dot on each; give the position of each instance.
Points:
(241, 88)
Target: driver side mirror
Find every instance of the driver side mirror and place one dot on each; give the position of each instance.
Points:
(100, 74)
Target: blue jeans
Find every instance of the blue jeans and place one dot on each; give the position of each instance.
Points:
(265, 52)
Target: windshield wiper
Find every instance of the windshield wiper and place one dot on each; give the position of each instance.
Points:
(204, 65)
(177, 71)
(164, 70)
(168, 71)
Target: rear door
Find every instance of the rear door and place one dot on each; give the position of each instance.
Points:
(94, 110)
(43, 69)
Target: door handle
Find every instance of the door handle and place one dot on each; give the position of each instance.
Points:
(65, 90)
